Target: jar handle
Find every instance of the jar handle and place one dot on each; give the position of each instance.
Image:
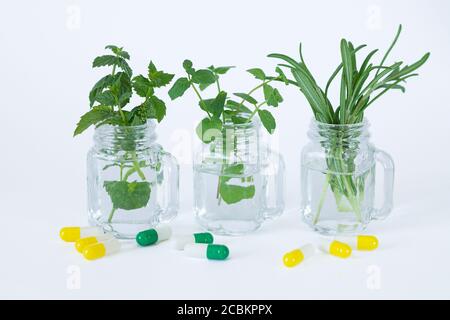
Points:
(388, 165)
(169, 194)
(273, 172)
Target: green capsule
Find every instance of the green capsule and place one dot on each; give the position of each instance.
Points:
(217, 252)
(203, 237)
(152, 236)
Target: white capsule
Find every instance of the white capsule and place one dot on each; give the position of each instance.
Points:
(202, 237)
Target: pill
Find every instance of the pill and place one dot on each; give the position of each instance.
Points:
(360, 242)
(203, 237)
(72, 234)
(294, 257)
(336, 248)
(153, 236)
(83, 243)
(207, 251)
(101, 249)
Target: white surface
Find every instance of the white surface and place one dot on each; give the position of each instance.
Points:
(46, 51)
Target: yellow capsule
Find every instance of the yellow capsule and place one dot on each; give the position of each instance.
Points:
(360, 242)
(293, 258)
(83, 243)
(100, 249)
(367, 243)
(72, 234)
(337, 248)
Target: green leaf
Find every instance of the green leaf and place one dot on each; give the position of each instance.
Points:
(220, 70)
(158, 78)
(203, 76)
(267, 120)
(187, 65)
(101, 85)
(208, 129)
(142, 86)
(246, 97)
(92, 117)
(122, 88)
(216, 105)
(237, 106)
(118, 51)
(257, 73)
(128, 195)
(159, 108)
(106, 60)
(272, 95)
(179, 88)
(281, 75)
(231, 193)
(122, 64)
(106, 98)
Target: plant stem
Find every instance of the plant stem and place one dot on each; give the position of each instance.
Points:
(136, 165)
(111, 215)
(253, 90)
(322, 199)
(198, 94)
(255, 111)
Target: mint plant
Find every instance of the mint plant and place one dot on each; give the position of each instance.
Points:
(360, 87)
(238, 109)
(108, 101)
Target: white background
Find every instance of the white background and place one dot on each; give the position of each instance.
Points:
(46, 50)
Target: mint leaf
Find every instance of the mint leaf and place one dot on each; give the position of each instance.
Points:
(128, 195)
(179, 88)
(142, 86)
(216, 105)
(231, 193)
(187, 65)
(122, 64)
(101, 85)
(246, 97)
(203, 76)
(106, 60)
(121, 88)
(220, 70)
(237, 106)
(281, 75)
(94, 116)
(106, 98)
(267, 120)
(159, 108)
(257, 73)
(158, 78)
(272, 95)
(208, 129)
(118, 51)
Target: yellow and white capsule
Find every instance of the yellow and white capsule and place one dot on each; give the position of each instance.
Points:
(360, 242)
(83, 243)
(294, 257)
(336, 248)
(100, 249)
(72, 234)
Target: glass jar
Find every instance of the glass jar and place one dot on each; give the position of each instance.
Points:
(132, 181)
(338, 179)
(238, 183)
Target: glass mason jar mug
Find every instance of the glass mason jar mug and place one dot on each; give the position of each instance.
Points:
(132, 181)
(338, 179)
(238, 183)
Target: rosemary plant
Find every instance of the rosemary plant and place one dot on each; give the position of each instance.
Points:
(360, 86)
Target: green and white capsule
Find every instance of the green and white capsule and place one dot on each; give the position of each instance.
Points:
(153, 236)
(203, 237)
(207, 251)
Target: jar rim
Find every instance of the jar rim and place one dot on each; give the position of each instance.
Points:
(364, 123)
(150, 124)
(254, 122)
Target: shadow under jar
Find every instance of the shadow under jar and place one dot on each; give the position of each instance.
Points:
(238, 183)
(132, 181)
(338, 179)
